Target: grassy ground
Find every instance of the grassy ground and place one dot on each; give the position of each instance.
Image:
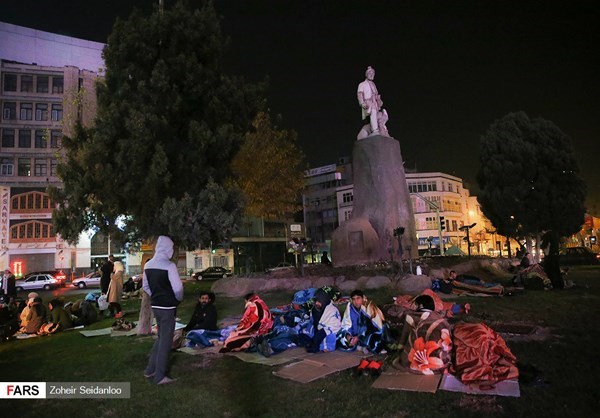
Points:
(559, 373)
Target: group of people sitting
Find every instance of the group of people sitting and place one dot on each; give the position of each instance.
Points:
(33, 317)
(312, 321)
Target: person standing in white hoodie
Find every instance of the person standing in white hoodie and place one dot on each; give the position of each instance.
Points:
(162, 283)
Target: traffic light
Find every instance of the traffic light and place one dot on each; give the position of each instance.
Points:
(442, 223)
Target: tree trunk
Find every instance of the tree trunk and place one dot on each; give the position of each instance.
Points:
(145, 321)
(551, 262)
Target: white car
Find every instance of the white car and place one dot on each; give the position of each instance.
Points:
(91, 279)
(37, 281)
(284, 265)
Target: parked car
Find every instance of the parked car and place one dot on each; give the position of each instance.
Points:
(37, 281)
(212, 273)
(578, 255)
(59, 275)
(284, 265)
(89, 280)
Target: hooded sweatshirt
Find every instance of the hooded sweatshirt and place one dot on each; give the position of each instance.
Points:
(161, 279)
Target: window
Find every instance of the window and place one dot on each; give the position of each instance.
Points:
(57, 112)
(57, 85)
(450, 188)
(10, 82)
(26, 111)
(9, 110)
(41, 111)
(347, 197)
(8, 138)
(27, 83)
(422, 186)
(42, 84)
(53, 165)
(6, 165)
(30, 201)
(55, 139)
(32, 231)
(24, 167)
(41, 141)
(454, 226)
(24, 138)
(40, 167)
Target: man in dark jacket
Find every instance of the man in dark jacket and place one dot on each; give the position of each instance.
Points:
(106, 269)
(205, 313)
(162, 283)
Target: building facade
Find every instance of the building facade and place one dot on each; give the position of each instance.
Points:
(41, 98)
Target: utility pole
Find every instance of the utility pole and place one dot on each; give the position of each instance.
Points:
(439, 221)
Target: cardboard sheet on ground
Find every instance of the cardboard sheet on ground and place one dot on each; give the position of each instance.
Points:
(96, 332)
(319, 365)
(286, 356)
(403, 380)
(198, 351)
(503, 388)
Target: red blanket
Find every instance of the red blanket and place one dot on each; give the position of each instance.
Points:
(482, 356)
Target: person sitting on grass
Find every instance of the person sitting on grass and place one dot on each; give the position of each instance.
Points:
(257, 320)
(318, 333)
(203, 324)
(61, 320)
(362, 325)
(36, 316)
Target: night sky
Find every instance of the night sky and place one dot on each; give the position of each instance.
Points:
(445, 69)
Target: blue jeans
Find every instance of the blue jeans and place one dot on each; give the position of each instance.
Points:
(159, 356)
(203, 336)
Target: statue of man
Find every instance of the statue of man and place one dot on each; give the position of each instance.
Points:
(370, 101)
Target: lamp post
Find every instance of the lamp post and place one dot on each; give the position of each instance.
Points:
(467, 228)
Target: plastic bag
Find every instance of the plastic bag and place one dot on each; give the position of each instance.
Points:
(102, 303)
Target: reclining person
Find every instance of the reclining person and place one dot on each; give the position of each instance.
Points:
(84, 312)
(203, 324)
(362, 325)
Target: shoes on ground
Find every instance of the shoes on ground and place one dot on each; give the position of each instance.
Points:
(119, 315)
(149, 375)
(264, 348)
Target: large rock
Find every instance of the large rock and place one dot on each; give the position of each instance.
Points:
(238, 286)
(381, 204)
(413, 284)
(377, 282)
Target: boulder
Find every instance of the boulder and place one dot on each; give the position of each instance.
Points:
(238, 286)
(322, 281)
(377, 282)
(347, 286)
(412, 284)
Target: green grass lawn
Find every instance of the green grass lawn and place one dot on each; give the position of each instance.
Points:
(561, 371)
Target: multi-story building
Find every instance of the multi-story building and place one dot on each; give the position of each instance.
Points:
(47, 83)
(328, 201)
(325, 189)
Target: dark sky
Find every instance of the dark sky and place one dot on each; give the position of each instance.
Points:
(445, 69)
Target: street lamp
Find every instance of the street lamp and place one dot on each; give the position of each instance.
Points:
(467, 228)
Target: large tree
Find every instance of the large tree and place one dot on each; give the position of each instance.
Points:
(268, 170)
(169, 122)
(530, 182)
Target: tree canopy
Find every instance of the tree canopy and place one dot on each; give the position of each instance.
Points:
(168, 123)
(268, 170)
(529, 178)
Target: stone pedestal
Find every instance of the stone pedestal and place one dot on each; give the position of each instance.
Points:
(381, 204)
